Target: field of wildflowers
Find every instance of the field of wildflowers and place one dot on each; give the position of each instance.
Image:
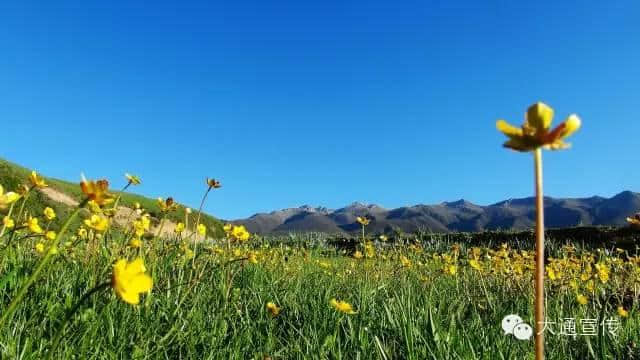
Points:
(80, 286)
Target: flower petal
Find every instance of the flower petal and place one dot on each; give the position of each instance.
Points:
(141, 284)
(136, 267)
(539, 117)
(508, 129)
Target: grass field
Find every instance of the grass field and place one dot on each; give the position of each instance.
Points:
(239, 296)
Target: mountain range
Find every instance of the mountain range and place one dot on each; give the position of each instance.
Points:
(457, 216)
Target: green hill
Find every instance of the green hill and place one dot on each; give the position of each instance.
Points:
(13, 175)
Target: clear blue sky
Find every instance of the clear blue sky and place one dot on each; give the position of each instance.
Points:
(319, 102)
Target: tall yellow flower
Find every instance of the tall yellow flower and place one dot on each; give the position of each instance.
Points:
(167, 205)
(535, 132)
(39, 247)
(36, 180)
(132, 179)
(7, 198)
(342, 306)
(97, 222)
(50, 235)
(179, 228)
(202, 230)
(364, 221)
(213, 183)
(49, 213)
(97, 191)
(32, 224)
(129, 280)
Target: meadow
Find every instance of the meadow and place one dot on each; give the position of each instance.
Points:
(80, 287)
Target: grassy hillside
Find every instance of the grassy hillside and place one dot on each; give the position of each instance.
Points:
(12, 175)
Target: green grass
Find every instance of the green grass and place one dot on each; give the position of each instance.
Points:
(195, 312)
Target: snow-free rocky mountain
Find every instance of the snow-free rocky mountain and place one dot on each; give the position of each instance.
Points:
(457, 216)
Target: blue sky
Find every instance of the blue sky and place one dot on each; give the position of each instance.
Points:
(321, 103)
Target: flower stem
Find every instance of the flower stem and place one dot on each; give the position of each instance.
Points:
(43, 263)
(76, 307)
(195, 248)
(115, 211)
(539, 276)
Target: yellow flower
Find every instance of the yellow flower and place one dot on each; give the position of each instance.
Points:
(450, 269)
(49, 213)
(135, 243)
(582, 300)
(7, 198)
(240, 233)
(179, 228)
(36, 180)
(535, 132)
(202, 230)
(129, 280)
(97, 191)
(141, 225)
(82, 233)
(167, 205)
(32, 224)
(39, 248)
(227, 228)
(272, 309)
(475, 264)
(622, 312)
(8, 222)
(342, 306)
(97, 222)
(364, 221)
(603, 272)
(551, 273)
(50, 235)
(253, 258)
(635, 220)
(369, 250)
(188, 253)
(213, 183)
(357, 254)
(132, 179)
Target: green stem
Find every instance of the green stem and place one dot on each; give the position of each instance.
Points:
(76, 307)
(195, 248)
(24, 201)
(115, 210)
(43, 263)
(20, 212)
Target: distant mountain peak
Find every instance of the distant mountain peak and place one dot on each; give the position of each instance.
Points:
(458, 203)
(459, 215)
